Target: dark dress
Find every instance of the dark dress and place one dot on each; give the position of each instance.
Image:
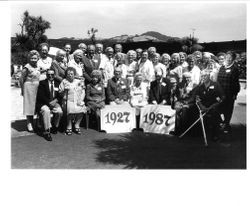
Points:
(228, 78)
(95, 96)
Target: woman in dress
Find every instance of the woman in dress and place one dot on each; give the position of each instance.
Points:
(77, 64)
(165, 60)
(59, 65)
(139, 93)
(44, 63)
(73, 92)
(119, 63)
(131, 66)
(29, 82)
(158, 65)
(183, 58)
(228, 78)
(175, 68)
(95, 93)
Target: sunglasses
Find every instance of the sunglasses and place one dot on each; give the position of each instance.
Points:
(51, 74)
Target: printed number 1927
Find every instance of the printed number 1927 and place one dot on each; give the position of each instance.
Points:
(117, 117)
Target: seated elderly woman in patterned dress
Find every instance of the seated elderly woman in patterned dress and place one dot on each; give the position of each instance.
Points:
(95, 93)
(44, 63)
(73, 93)
(29, 82)
(77, 64)
(59, 65)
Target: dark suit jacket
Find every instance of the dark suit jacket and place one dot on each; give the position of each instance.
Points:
(43, 94)
(119, 90)
(89, 66)
(160, 92)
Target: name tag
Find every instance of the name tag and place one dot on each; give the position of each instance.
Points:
(228, 70)
(55, 89)
(211, 87)
(123, 87)
(218, 99)
(163, 84)
(99, 88)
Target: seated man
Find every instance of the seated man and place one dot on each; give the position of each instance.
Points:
(47, 102)
(208, 96)
(159, 92)
(118, 91)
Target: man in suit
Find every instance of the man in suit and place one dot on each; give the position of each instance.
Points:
(91, 62)
(118, 91)
(159, 92)
(47, 102)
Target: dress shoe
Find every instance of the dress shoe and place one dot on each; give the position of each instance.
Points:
(48, 137)
(30, 128)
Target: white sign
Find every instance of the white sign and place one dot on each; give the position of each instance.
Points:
(118, 118)
(157, 119)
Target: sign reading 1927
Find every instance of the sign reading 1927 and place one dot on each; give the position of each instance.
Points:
(113, 117)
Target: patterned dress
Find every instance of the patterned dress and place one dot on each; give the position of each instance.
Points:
(74, 97)
(29, 82)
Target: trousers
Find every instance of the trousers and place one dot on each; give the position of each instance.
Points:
(46, 113)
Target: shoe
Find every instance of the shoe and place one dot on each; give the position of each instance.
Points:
(48, 137)
(227, 129)
(30, 128)
(77, 131)
(54, 130)
(68, 132)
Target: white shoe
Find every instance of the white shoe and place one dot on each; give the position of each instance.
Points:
(29, 127)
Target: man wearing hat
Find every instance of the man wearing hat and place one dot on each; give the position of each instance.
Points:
(118, 91)
(159, 92)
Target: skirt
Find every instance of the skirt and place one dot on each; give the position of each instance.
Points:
(29, 97)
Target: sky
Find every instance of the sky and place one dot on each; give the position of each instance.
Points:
(211, 21)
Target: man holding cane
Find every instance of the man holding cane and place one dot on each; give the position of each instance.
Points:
(209, 96)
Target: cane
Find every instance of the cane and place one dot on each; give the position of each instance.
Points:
(192, 125)
(203, 127)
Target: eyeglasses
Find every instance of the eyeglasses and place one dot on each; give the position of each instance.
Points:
(51, 74)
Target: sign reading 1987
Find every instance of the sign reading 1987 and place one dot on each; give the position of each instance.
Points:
(157, 119)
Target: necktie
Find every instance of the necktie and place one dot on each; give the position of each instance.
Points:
(51, 91)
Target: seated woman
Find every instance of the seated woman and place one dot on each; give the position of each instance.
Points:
(73, 92)
(118, 91)
(59, 65)
(95, 93)
(77, 64)
(139, 93)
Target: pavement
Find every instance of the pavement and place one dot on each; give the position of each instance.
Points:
(135, 150)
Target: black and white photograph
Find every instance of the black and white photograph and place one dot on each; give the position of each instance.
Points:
(117, 86)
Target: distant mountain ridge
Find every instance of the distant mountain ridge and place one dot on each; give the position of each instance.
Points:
(152, 36)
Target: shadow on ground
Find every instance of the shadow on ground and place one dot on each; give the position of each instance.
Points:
(139, 151)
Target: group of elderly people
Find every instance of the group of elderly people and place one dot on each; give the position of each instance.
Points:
(89, 78)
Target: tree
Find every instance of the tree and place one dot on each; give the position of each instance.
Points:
(32, 31)
(31, 35)
(190, 44)
(92, 35)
